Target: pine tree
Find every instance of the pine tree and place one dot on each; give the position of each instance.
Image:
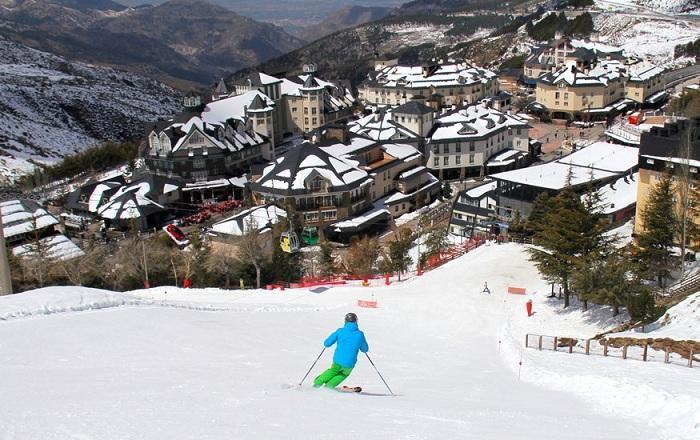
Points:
(657, 239)
(566, 235)
(539, 209)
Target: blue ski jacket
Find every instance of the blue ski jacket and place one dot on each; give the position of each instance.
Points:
(350, 339)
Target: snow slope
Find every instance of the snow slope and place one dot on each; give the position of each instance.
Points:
(214, 364)
(51, 107)
(646, 36)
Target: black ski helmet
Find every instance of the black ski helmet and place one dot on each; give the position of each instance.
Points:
(351, 317)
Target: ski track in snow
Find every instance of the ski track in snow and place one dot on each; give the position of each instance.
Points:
(148, 364)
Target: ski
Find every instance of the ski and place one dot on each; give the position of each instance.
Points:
(346, 389)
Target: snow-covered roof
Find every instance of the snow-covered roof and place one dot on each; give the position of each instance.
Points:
(380, 126)
(130, 201)
(552, 175)
(232, 107)
(445, 75)
(474, 122)
(604, 156)
(598, 161)
(24, 216)
(337, 98)
(481, 190)
(230, 135)
(58, 247)
(259, 217)
(506, 157)
(291, 173)
(617, 195)
(396, 197)
(644, 72)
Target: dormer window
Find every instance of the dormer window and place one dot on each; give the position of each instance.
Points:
(317, 184)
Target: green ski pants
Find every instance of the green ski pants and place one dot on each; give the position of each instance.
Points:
(332, 376)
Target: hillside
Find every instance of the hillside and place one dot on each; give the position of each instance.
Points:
(50, 107)
(346, 17)
(180, 41)
(453, 356)
(347, 54)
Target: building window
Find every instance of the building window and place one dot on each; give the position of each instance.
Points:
(314, 121)
(436, 162)
(199, 163)
(517, 131)
(306, 110)
(446, 148)
(294, 109)
(471, 158)
(199, 175)
(458, 160)
(471, 146)
(458, 147)
(329, 215)
(436, 149)
(313, 110)
(306, 121)
(446, 160)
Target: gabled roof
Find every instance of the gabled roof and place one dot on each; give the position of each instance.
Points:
(221, 88)
(24, 216)
(258, 79)
(289, 173)
(132, 201)
(413, 108)
(311, 83)
(473, 122)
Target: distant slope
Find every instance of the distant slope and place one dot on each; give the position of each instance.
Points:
(347, 17)
(348, 54)
(178, 41)
(50, 107)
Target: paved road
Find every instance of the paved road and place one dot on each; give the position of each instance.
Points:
(680, 75)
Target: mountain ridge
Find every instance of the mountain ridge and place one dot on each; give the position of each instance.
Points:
(182, 42)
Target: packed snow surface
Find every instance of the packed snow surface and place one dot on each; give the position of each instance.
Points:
(212, 364)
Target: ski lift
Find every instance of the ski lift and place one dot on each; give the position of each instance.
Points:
(289, 242)
(309, 236)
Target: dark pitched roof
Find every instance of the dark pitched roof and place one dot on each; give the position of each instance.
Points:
(413, 108)
(285, 169)
(311, 82)
(257, 103)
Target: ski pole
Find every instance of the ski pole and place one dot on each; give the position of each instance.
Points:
(380, 374)
(312, 366)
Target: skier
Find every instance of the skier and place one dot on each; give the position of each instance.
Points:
(486, 287)
(350, 340)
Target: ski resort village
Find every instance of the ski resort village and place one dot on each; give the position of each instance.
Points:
(446, 221)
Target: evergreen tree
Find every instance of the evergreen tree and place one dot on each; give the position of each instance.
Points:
(327, 259)
(398, 251)
(539, 209)
(566, 235)
(517, 228)
(656, 240)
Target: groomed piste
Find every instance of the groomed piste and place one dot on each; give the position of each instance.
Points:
(170, 363)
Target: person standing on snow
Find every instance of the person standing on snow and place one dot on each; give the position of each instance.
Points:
(350, 340)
